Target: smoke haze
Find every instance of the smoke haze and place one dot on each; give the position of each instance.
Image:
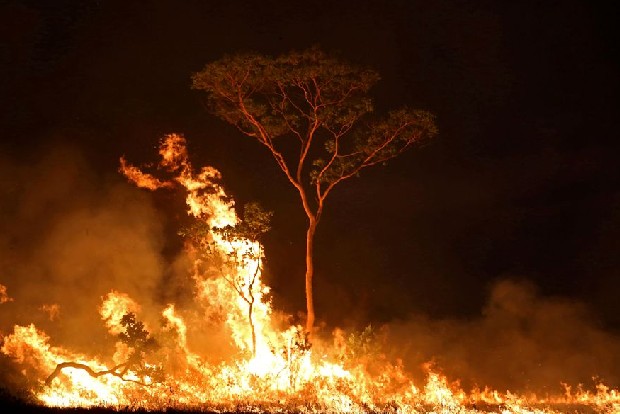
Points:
(67, 238)
(522, 341)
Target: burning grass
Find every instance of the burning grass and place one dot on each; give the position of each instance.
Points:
(228, 350)
(12, 403)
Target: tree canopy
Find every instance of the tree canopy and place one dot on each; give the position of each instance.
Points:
(320, 104)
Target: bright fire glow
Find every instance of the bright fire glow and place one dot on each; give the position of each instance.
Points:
(272, 368)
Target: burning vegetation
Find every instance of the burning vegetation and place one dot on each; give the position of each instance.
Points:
(227, 349)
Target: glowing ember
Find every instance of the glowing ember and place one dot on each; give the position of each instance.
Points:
(270, 366)
(4, 297)
(51, 310)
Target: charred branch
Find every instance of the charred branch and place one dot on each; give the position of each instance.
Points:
(118, 371)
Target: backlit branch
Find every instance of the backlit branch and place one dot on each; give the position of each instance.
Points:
(95, 374)
(320, 101)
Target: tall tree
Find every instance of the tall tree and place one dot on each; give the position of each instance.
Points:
(321, 104)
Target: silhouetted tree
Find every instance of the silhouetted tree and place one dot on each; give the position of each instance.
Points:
(319, 103)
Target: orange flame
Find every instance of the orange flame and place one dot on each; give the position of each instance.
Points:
(273, 369)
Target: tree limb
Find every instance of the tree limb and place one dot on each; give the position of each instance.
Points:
(92, 373)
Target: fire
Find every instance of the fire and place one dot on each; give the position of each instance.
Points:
(4, 297)
(115, 305)
(271, 368)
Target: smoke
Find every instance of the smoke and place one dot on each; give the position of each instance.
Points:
(67, 238)
(521, 342)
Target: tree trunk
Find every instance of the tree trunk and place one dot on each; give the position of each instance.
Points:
(309, 273)
(250, 309)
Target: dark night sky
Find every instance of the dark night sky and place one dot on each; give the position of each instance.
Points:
(522, 181)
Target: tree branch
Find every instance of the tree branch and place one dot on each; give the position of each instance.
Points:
(92, 373)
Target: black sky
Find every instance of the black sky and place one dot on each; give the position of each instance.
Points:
(522, 182)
